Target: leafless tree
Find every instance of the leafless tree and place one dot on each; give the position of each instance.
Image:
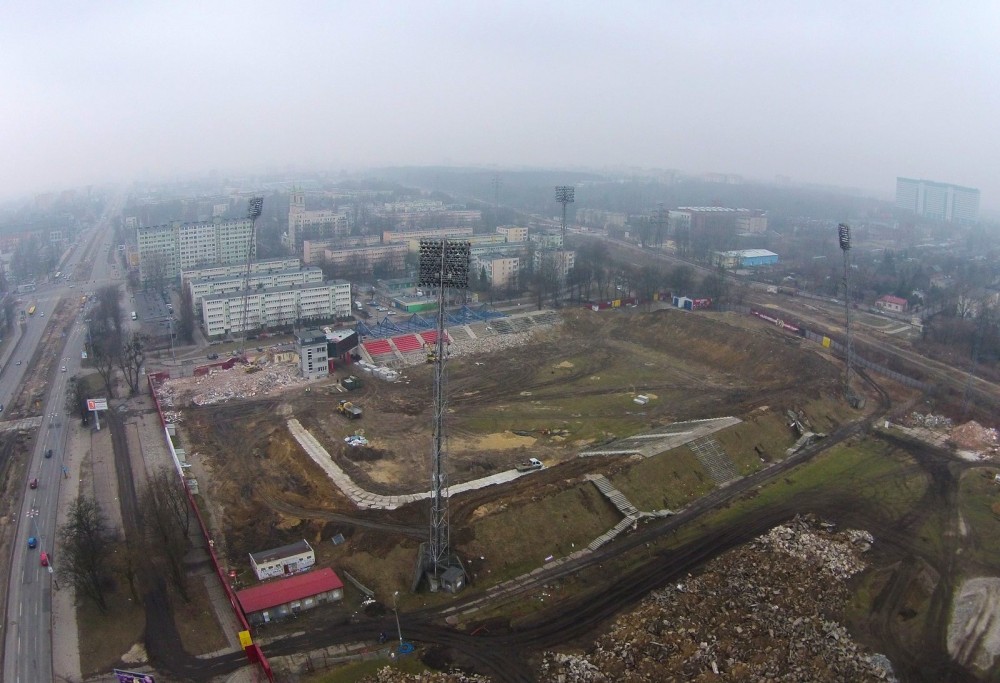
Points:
(186, 323)
(103, 352)
(154, 271)
(167, 516)
(86, 549)
(130, 359)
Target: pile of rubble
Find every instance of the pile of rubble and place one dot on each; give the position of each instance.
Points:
(221, 385)
(928, 421)
(765, 611)
(974, 437)
(390, 675)
(490, 344)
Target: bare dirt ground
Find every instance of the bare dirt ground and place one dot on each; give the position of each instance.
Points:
(570, 387)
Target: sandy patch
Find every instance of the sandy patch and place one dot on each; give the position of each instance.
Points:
(564, 364)
(974, 631)
(498, 441)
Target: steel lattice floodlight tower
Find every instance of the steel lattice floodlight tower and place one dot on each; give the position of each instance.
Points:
(844, 235)
(254, 208)
(443, 264)
(565, 194)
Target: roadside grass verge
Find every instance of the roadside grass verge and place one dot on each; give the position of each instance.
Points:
(199, 629)
(977, 496)
(105, 638)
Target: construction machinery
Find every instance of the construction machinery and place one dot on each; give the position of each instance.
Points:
(348, 409)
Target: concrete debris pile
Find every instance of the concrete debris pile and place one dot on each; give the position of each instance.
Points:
(391, 675)
(465, 347)
(929, 421)
(974, 437)
(759, 612)
(223, 385)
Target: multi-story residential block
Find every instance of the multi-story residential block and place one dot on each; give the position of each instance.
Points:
(513, 233)
(272, 265)
(938, 201)
(275, 307)
(500, 270)
(166, 250)
(334, 223)
(393, 236)
(393, 255)
(313, 251)
(202, 287)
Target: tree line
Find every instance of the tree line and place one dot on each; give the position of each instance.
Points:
(114, 350)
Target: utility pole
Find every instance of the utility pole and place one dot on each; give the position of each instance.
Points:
(844, 237)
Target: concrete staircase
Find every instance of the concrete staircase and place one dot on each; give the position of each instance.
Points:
(713, 458)
(616, 497)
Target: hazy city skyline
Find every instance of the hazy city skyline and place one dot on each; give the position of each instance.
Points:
(845, 94)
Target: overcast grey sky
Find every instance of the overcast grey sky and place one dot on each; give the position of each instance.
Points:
(847, 93)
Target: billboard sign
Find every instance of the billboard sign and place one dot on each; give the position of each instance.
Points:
(132, 677)
(97, 404)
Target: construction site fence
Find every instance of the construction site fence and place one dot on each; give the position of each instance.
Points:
(254, 654)
(857, 361)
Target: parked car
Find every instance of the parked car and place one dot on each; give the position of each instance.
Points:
(44, 558)
(32, 542)
(213, 356)
(48, 453)
(18, 362)
(33, 483)
(64, 368)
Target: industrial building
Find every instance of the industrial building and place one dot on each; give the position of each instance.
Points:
(745, 258)
(230, 313)
(938, 201)
(288, 559)
(165, 250)
(287, 597)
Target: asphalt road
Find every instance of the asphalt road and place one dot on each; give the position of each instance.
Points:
(28, 632)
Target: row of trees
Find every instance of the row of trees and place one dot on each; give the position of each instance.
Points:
(94, 557)
(114, 349)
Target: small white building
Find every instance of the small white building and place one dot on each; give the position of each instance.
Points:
(283, 561)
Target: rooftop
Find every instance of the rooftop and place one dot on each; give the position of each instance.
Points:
(283, 591)
(290, 550)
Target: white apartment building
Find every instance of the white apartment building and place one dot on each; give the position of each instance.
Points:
(264, 266)
(313, 251)
(564, 260)
(393, 254)
(202, 287)
(338, 220)
(394, 236)
(274, 307)
(938, 201)
(513, 233)
(166, 250)
(500, 270)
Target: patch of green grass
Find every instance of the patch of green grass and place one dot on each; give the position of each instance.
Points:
(868, 472)
(764, 430)
(976, 497)
(518, 538)
(357, 671)
(668, 481)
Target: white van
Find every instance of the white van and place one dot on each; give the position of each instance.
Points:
(134, 316)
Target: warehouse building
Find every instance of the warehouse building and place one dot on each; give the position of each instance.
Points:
(288, 559)
(745, 258)
(277, 600)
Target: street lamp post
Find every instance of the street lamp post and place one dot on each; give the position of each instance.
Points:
(395, 609)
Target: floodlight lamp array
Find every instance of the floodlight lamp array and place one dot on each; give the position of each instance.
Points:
(565, 194)
(844, 232)
(444, 263)
(254, 207)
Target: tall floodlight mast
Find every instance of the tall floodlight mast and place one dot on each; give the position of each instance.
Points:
(844, 235)
(254, 208)
(565, 195)
(443, 264)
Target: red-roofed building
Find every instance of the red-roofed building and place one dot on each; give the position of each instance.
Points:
(892, 303)
(279, 599)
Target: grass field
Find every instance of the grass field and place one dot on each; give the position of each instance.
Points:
(977, 496)
(104, 638)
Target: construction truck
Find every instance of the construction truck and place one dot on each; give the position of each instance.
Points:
(348, 410)
(529, 465)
